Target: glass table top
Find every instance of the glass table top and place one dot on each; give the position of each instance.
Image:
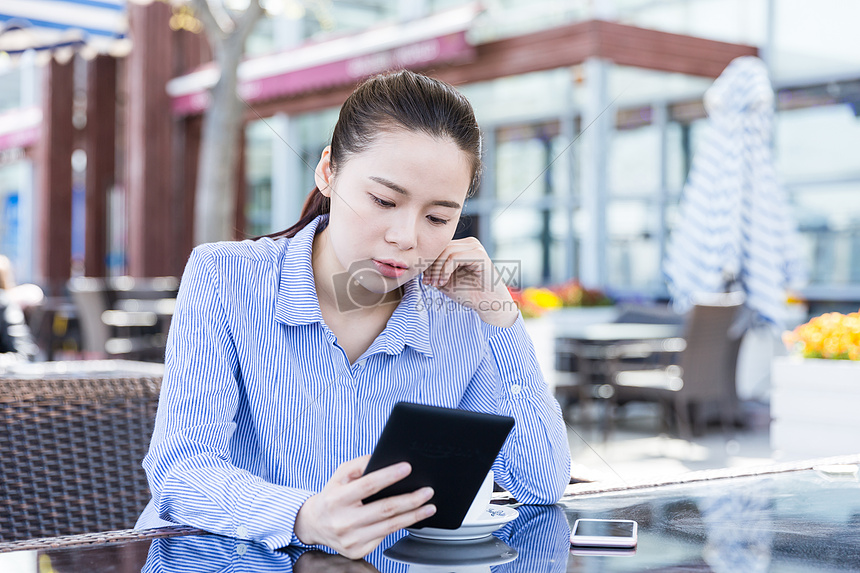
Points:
(792, 521)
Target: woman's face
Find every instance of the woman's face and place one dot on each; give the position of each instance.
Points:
(394, 207)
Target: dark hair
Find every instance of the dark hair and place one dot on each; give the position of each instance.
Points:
(397, 100)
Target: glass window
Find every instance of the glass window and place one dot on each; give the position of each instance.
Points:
(676, 156)
(821, 141)
(640, 87)
(303, 20)
(829, 221)
(632, 244)
(314, 133)
(10, 89)
(507, 100)
(10, 179)
(634, 161)
(533, 188)
(258, 177)
(532, 239)
(523, 158)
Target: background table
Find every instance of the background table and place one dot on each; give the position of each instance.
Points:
(587, 348)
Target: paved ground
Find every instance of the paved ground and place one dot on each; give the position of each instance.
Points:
(637, 450)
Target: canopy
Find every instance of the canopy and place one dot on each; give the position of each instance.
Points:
(49, 24)
(735, 230)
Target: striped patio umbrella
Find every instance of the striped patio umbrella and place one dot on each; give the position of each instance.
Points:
(49, 24)
(735, 229)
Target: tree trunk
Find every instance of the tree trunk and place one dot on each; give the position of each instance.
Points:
(214, 208)
(215, 199)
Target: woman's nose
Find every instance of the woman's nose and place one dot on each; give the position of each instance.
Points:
(403, 234)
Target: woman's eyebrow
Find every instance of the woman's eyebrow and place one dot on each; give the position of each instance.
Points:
(398, 189)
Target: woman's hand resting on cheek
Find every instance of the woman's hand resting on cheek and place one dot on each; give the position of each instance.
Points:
(466, 274)
(336, 517)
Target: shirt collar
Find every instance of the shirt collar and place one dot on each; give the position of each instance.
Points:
(297, 302)
(410, 324)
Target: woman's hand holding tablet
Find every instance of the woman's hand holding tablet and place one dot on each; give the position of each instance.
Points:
(425, 470)
(449, 450)
(337, 518)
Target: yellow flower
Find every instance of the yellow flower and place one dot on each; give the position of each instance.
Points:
(832, 335)
(542, 298)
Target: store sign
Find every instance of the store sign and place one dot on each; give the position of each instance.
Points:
(448, 48)
(13, 143)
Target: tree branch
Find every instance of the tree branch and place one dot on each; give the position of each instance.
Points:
(203, 12)
(248, 20)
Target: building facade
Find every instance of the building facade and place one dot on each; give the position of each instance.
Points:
(590, 111)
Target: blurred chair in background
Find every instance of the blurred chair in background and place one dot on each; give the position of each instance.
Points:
(16, 341)
(703, 375)
(124, 317)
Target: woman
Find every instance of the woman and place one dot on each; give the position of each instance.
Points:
(286, 354)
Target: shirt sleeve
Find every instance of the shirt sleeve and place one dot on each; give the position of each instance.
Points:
(534, 463)
(191, 476)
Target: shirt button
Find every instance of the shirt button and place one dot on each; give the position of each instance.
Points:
(242, 531)
(360, 363)
(515, 389)
(241, 549)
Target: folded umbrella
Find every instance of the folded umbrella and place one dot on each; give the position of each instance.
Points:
(735, 230)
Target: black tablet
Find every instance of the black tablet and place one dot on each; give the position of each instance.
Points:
(450, 450)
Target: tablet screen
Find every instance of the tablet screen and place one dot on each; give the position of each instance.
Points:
(450, 450)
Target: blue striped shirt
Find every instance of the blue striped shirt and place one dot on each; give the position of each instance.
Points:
(259, 405)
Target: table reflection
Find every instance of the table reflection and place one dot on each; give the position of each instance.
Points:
(536, 540)
(795, 521)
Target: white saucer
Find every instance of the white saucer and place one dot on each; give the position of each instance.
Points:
(494, 518)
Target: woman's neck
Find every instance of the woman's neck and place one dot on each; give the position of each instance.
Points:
(339, 294)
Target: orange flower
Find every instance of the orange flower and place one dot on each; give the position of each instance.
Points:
(534, 301)
(832, 335)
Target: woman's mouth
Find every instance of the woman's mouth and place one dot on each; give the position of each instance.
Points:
(389, 269)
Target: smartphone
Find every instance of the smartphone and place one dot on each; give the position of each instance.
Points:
(604, 533)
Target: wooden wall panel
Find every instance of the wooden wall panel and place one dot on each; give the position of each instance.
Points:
(662, 51)
(149, 181)
(54, 178)
(101, 163)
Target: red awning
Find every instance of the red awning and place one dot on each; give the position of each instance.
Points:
(417, 44)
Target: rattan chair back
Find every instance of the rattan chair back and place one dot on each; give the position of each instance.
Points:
(71, 448)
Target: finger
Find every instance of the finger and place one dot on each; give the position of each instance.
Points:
(378, 480)
(350, 470)
(448, 267)
(432, 271)
(466, 268)
(383, 509)
(382, 529)
(367, 538)
(453, 248)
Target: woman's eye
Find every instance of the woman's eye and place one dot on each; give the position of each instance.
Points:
(437, 220)
(381, 202)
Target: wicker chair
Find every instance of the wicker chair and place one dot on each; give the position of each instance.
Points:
(72, 436)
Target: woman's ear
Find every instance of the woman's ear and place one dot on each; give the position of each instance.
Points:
(322, 174)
